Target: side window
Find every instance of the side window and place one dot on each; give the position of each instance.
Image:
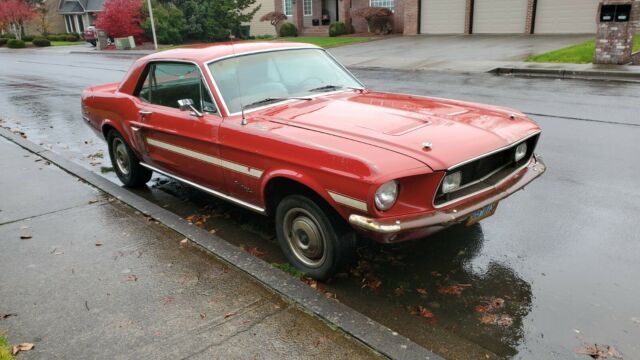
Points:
(166, 83)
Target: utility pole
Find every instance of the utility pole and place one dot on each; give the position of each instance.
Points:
(153, 26)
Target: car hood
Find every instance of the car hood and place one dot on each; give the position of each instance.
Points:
(457, 131)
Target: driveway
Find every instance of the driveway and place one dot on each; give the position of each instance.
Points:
(450, 52)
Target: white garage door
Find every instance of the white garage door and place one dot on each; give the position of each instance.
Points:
(442, 16)
(499, 16)
(566, 17)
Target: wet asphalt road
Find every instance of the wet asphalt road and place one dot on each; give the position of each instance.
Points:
(563, 254)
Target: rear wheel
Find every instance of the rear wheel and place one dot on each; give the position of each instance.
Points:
(315, 240)
(125, 163)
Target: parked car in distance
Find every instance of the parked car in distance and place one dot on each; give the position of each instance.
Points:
(284, 130)
(90, 35)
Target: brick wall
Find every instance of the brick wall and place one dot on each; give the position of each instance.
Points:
(410, 17)
(614, 40)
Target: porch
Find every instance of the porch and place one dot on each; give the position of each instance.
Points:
(313, 17)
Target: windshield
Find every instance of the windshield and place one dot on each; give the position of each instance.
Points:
(274, 76)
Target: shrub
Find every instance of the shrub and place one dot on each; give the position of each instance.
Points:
(41, 42)
(378, 19)
(15, 44)
(27, 38)
(9, 36)
(288, 29)
(337, 29)
(71, 38)
(56, 37)
(3, 41)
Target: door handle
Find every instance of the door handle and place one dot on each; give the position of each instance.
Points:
(144, 113)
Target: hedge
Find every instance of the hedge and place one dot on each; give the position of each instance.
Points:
(3, 41)
(15, 44)
(40, 42)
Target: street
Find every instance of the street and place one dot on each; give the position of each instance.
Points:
(562, 256)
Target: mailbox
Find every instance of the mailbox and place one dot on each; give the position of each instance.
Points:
(616, 29)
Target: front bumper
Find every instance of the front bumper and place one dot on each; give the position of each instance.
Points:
(392, 230)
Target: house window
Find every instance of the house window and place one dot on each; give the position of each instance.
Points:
(71, 24)
(80, 23)
(307, 8)
(288, 7)
(382, 3)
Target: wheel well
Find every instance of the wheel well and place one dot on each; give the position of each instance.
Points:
(278, 188)
(106, 129)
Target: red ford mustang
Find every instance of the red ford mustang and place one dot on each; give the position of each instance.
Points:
(284, 130)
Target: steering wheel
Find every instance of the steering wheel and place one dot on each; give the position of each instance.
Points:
(307, 83)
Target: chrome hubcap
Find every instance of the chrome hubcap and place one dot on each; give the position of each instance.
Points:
(305, 237)
(121, 156)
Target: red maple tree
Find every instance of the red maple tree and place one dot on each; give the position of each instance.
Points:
(14, 13)
(121, 18)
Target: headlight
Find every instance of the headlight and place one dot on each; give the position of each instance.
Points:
(451, 182)
(521, 151)
(386, 195)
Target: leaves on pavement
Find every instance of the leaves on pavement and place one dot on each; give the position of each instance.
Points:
(422, 291)
(197, 220)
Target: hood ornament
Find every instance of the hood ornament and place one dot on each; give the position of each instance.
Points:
(427, 145)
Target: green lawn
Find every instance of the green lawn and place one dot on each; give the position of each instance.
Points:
(326, 42)
(577, 54)
(5, 351)
(66, 43)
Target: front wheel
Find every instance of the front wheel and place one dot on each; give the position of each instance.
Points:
(125, 163)
(315, 241)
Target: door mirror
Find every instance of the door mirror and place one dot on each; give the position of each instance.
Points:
(187, 105)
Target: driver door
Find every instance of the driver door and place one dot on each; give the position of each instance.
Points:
(182, 143)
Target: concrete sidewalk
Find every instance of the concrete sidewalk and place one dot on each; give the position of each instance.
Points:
(88, 277)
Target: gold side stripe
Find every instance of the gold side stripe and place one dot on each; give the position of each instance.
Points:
(206, 158)
(344, 200)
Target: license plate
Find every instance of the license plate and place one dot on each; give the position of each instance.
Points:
(483, 213)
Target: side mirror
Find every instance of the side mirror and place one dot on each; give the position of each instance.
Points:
(187, 105)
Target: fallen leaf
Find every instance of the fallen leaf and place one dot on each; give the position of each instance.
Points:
(132, 278)
(422, 291)
(4, 316)
(98, 243)
(491, 305)
(21, 347)
(399, 291)
(168, 299)
(213, 231)
(452, 290)
(598, 351)
(184, 241)
(425, 313)
(253, 250)
(203, 315)
(371, 282)
(435, 274)
(228, 315)
(311, 282)
(496, 319)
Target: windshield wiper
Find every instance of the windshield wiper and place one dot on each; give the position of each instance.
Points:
(333, 87)
(271, 100)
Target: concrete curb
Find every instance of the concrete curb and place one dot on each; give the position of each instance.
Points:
(569, 74)
(372, 334)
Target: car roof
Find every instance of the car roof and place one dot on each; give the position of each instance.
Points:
(206, 52)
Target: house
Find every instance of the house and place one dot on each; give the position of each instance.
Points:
(47, 19)
(79, 14)
(451, 16)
